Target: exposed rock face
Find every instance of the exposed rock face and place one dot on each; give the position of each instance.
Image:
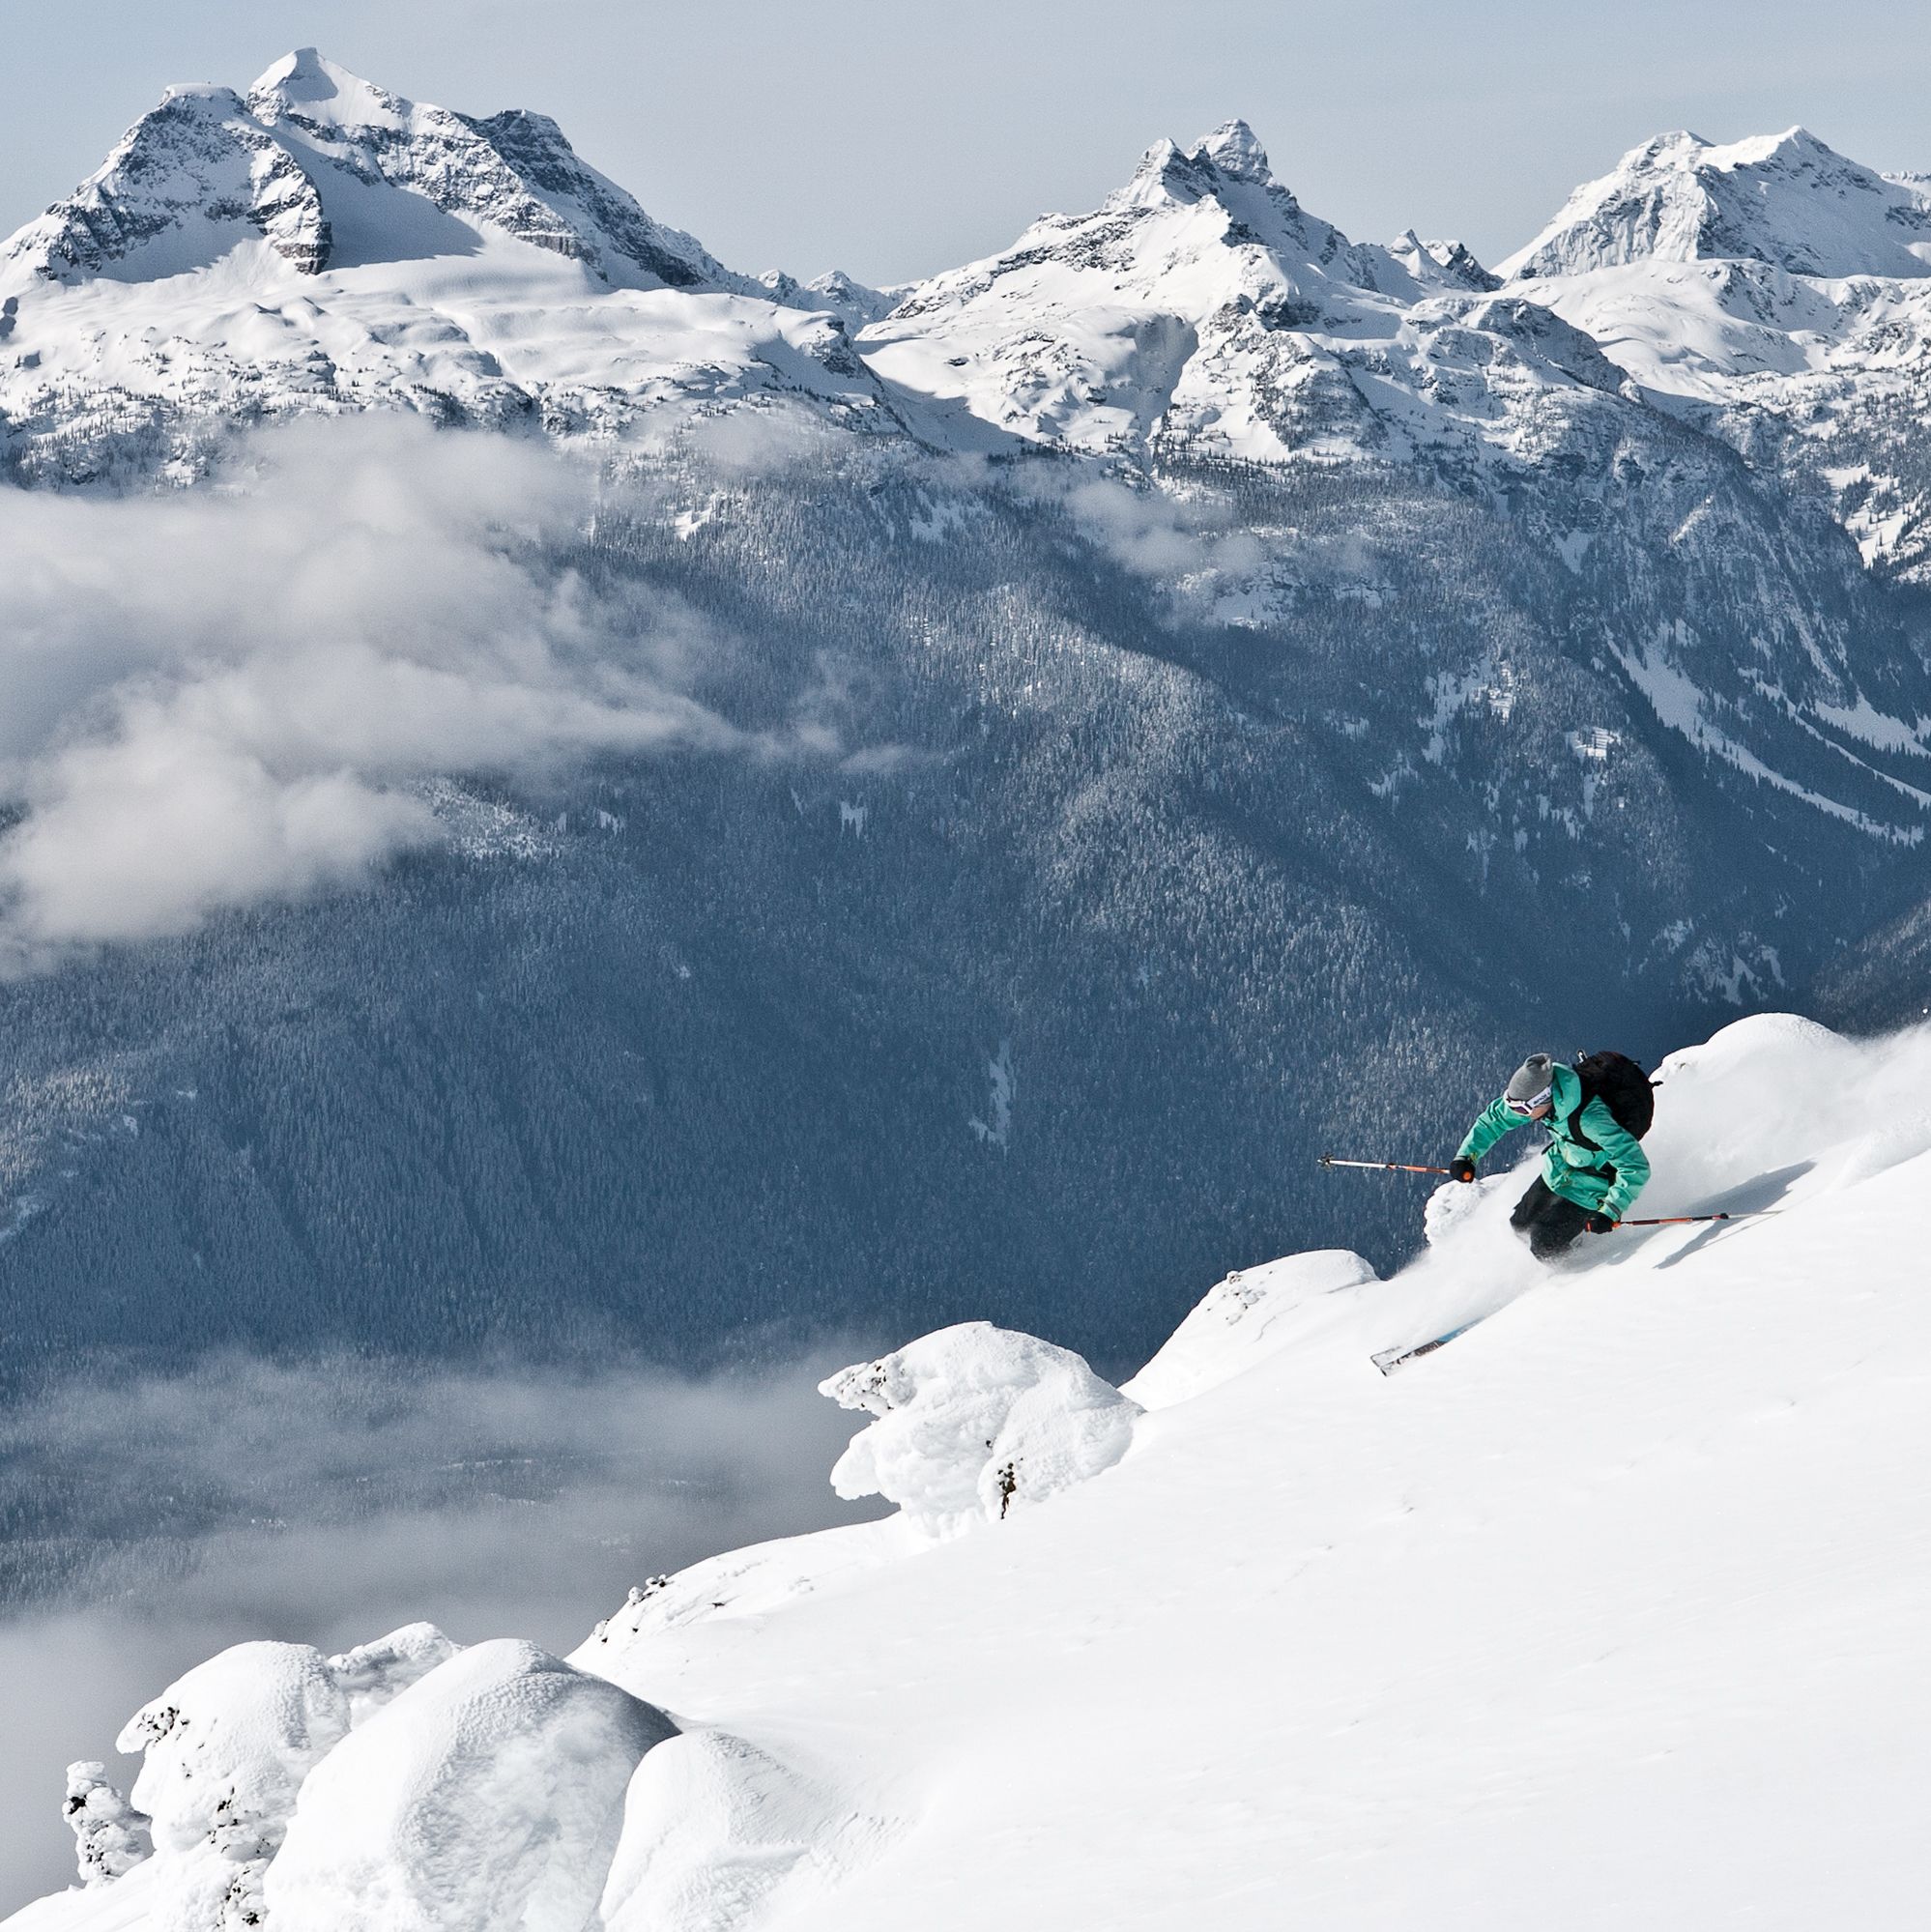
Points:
(1452, 258)
(186, 183)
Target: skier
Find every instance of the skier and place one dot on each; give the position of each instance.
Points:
(1591, 1169)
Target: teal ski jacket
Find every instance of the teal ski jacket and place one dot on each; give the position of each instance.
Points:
(1605, 1179)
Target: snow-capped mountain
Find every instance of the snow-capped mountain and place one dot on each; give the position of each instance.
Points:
(1200, 306)
(1785, 200)
(851, 300)
(1775, 292)
(322, 245)
(1201, 309)
(329, 171)
(1256, 1638)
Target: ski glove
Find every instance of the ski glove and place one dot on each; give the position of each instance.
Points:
(1462, 1167)
(1600, 1223)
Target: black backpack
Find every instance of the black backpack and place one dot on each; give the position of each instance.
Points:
(1622, 1087)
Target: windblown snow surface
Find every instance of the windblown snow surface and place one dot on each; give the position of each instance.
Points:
(1611, 1613)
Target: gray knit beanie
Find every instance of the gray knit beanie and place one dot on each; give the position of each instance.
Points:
(1532, 1080)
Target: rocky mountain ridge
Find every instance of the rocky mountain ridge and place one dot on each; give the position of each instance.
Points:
(1201, 307)
(321, 244)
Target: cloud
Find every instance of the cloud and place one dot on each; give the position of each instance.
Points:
(762, 442)
(329, 1503)
(1163, 535)
(223, 697)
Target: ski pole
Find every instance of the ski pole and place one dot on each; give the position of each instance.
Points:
(1678, 1220)
(1391, 1167)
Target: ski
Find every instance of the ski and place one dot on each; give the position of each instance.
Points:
(1390, 1358)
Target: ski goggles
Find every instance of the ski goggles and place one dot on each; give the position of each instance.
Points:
(1525, 1108)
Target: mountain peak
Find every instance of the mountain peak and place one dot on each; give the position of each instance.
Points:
(223, 98)
(1662, 149)
(1787, 199)
(331, 170)
(1451, 259)
(302, 74)
(1168, 173)
(1234, 149)
(307, 88)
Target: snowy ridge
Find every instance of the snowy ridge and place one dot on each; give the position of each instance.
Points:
(323, 246)
(851, 301)
(1623, 1563)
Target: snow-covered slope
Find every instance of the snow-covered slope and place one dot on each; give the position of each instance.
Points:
(1608, 1614)
(1777, 292)
(322, 245)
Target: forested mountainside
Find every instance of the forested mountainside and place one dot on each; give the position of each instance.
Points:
(1186, 693)
(1105, 917)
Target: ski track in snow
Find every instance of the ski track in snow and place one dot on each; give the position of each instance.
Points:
(1607, 1614)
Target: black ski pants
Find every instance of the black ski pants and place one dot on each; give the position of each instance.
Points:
(1549, 1221)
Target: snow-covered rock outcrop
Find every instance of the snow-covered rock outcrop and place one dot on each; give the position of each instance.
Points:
(714, 1828)
(225, 1750)
(1245, 1319)
(404, 1785)
(110, 1836)
(374, 1674)
(975, 1421)
(488, 1796)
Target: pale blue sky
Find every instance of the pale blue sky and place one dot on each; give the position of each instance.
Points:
(895, 137)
